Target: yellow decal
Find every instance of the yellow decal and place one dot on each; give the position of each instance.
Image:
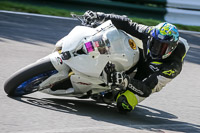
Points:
(166, 30)
(157, 63)
(59, 51)
(150, 29)
(132, 44)
(183, 57)
(170, 72)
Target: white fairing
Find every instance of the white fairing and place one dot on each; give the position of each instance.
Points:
(73, 39)
(100, 45)
(92, 64)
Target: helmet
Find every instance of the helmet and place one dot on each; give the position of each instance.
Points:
(126, 101)
(163, 40)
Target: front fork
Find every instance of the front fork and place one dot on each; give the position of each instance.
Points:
(60, 66)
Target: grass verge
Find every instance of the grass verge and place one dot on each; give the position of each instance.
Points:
(23, 7)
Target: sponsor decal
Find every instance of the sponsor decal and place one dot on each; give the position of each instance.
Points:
(132, 44)
(89, 47)
(169, 72)
(82, 83)
(59, 60)
(166, 55)
(96, 43)
(125, 106)
(154, 68)
(135, 89)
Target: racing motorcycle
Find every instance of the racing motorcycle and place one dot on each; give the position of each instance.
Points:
(78, 63)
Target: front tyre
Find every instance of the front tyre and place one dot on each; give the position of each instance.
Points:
(27, 79)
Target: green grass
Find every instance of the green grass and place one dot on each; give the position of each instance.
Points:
(22, 7)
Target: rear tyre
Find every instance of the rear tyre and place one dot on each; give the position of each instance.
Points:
(27, 79)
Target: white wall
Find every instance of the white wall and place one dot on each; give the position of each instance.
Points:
(189, 15)
(187, 4)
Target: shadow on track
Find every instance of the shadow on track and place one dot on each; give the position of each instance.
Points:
(143, 117)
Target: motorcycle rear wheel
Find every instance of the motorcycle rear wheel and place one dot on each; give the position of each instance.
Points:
(27, 79)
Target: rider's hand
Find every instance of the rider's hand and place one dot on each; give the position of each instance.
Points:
(120, 78)
(90, 16)
(114, 77)
(109, 70)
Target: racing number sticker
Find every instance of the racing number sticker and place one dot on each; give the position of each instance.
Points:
(132, 44)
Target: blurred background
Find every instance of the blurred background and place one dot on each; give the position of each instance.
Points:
(184, 13)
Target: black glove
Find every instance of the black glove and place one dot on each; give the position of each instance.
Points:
(109, 70)
(120, 79)
(90, 17)
(114, 77)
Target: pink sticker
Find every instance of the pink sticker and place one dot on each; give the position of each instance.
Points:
(96, 43)
(89, 47)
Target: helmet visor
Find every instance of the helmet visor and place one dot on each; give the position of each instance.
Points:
(159, 48)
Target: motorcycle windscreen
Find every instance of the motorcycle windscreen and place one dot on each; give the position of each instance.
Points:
(98, 43)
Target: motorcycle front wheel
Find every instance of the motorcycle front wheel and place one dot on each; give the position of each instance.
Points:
(27, 79)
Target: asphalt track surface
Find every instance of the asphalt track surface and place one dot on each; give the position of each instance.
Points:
(24, 39)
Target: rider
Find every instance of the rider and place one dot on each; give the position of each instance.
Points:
(160, 60)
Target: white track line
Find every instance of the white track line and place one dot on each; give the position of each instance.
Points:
(37, 15)
(187, 31)
(68, 18)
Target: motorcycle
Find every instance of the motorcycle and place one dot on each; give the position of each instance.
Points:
(78, 63)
